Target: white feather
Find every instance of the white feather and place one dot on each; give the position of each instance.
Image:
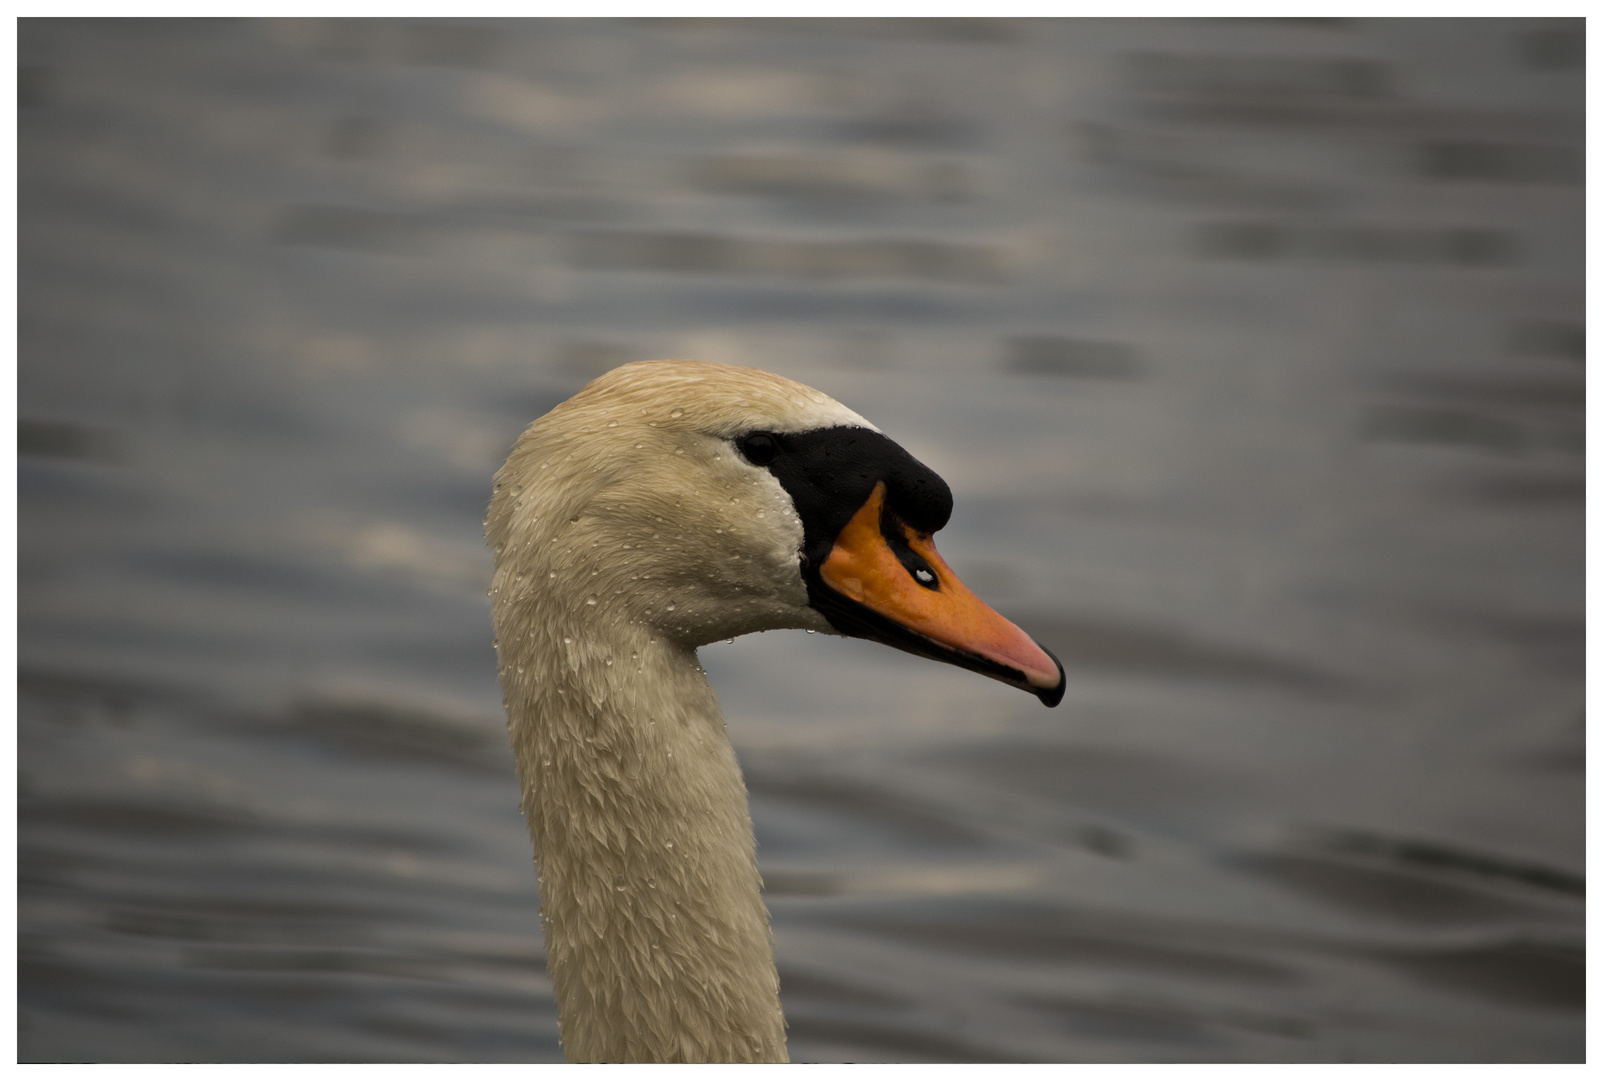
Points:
(628, 532)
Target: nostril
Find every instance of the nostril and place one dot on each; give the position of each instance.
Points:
(897, 537)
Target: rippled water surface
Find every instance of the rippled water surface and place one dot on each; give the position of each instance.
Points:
(1253, 353)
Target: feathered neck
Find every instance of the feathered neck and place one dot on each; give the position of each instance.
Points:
(657, 939)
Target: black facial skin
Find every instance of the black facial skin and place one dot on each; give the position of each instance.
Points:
(829, 475)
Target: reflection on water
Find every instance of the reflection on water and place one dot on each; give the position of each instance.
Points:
(1253, 351)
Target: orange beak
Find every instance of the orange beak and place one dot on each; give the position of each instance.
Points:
(892, 569)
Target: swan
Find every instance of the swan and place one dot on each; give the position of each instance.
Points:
(665, 506)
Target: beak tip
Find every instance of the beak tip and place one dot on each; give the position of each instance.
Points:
(1051, 695)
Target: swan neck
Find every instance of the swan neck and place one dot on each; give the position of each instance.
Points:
(657, 939)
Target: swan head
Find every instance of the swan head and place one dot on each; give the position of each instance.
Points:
(704, 501)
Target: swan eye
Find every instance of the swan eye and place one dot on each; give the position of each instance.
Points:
(759, 448)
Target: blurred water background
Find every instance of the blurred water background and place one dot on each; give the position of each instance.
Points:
(1252, 351)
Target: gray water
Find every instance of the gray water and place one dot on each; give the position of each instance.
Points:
(1252, 351)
